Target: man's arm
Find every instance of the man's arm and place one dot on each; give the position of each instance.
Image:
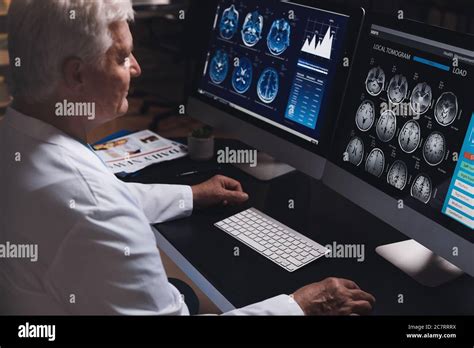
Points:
(162, 203)
(332, 296)
(169, 202)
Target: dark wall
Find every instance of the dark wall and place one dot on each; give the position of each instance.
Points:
(456, 15)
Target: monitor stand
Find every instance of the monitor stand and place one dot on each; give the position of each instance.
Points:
(419, 262)
(267, 168)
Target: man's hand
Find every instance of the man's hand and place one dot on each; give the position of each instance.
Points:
(334, 296)
(218, 190)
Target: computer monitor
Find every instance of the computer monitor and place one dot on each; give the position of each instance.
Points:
(270, 72)
(404, 147)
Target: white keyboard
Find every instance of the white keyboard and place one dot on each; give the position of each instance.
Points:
(277, 242)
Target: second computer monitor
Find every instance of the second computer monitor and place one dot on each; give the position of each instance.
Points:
(404, 148)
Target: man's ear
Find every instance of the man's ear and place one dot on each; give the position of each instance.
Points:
(73, 73)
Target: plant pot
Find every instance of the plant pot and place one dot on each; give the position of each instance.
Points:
(201, 149)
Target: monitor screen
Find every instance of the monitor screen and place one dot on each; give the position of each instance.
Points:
(276, 61)
(407, 124)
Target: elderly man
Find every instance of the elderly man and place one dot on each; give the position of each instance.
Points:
(96, 251)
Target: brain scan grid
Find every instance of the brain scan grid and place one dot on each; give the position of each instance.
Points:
(401, 129)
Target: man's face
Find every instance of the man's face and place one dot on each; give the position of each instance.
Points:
(109, 82)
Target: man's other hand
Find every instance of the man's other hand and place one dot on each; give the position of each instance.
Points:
(334, 296)
(218, 190)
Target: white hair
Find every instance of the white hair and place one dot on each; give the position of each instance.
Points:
(43, 33)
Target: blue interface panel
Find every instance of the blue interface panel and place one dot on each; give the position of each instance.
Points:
(459, 203)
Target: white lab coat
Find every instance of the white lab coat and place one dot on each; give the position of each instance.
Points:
(97, 253)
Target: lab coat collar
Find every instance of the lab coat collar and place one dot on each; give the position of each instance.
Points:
(40, 130)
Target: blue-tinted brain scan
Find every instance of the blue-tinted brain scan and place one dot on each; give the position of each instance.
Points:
(229, 23)
(268, 85)
(252, 29)
(278, 39)
(219, 67)
(242, 76)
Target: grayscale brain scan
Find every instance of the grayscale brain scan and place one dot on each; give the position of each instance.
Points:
(410, 136)
(355, 151)
(446, 109)
(386, 126)
(397, 89)
(434, 148)
(365, 116)
(398, 175)
(375, 162)
(421, 98)
(375, 81)
(421, 188)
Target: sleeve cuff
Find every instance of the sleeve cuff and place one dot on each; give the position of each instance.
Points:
(188, 200)
(278, 305)
(283, 305)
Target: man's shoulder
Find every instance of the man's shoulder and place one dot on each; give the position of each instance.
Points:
(62, 165)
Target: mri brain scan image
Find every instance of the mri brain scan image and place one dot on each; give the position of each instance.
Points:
(398, 175)
(421, 188)
(252, 29)
(355, 151)
(268, 85)
(242, 76)
(421, 98)
(397, 89)
(434, 149)
(278, 39)
(386, 126)
(446, 109)
(410, 136)
(229, 23)
(365, 116)
(375, 163)
(219, 67)
(375, 81)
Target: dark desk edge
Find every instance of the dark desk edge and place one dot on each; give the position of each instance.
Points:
(198, 279)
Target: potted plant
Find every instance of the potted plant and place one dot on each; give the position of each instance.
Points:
(201, 144)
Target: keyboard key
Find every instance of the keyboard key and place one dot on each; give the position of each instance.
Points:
(307, 259)
(252, 243)
(294, 261)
